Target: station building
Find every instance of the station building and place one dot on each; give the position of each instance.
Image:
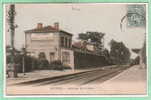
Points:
(54, 43)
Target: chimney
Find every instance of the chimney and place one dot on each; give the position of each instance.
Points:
(56, 25)
(39, 25)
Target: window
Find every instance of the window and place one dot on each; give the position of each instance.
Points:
(66, 58)
(66, 42)
(42, 56)
(62, 41)
(69, 43)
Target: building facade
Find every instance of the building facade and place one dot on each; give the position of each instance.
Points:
(54, 43)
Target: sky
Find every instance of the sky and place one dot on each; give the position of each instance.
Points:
(78, 18)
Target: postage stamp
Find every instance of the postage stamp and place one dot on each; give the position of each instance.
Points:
(55, 49)
(136, 15)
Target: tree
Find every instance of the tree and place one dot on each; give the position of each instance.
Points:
(11, 22)
(119, 53)
(83, 36)
(143, 53)
(96, 38)
(136, 16)
(106, 54)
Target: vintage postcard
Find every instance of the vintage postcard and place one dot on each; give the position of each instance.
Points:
(73, 49)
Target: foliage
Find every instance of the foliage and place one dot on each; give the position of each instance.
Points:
(119, 53)
(96, 38)
(83, 36)
(43, 64)
(42, 61)
(93, 37)
(143, 53)
(11, 22)
(18, 59)
(56, 62)
(106, 54)
(58, 65)
(135, 61)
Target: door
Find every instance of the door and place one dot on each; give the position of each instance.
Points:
(52, 56)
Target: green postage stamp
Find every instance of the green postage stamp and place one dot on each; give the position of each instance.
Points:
(56, 49)
(137, 15)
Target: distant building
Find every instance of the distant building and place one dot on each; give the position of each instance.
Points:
(85, 46)
(142, 56)
(54, 43)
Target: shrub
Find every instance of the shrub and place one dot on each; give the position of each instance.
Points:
(66, 67)
(58, 65)
(43, 64)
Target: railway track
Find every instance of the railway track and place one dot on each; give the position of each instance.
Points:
(81, 78)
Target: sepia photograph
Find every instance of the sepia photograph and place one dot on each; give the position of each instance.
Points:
(72, 49)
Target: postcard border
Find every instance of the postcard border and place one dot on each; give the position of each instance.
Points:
(148, 42)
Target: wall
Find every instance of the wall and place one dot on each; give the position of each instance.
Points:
(87, 60)
(71, 53)
(46, 46)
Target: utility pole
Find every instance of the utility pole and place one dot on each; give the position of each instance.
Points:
(23, 59)
(11, 21)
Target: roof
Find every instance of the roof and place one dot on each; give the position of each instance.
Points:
(46, 29)
(80, 47)
(79, 44)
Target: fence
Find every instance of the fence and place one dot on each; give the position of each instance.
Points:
(88, 60)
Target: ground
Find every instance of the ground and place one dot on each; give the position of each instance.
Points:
(131, 81)
(105, 80)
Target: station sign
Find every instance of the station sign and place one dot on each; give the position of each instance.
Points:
(42, 36)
